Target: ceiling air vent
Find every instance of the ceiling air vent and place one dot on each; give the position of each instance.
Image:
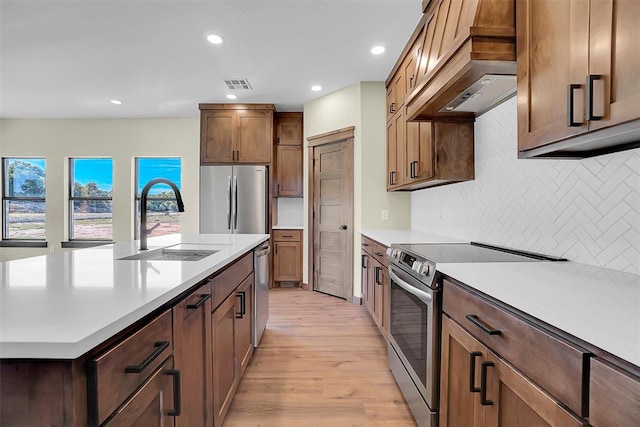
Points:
(238, 84)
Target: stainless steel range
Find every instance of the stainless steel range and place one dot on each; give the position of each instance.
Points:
(416, 301)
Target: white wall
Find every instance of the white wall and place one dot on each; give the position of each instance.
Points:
(361, 105)
(120, 139)
(587, 211)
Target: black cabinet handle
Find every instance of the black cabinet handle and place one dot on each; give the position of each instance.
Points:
(590, 79)
(413, 168)
(198, 304)
(364, 261)
(136, 369)
(392, 108)
(570, 92)
(476, 321)
(392, 176)
(278, 189)
(243, 305)
(177, 395)
(483, 383)
(472, 371)
(378, 271)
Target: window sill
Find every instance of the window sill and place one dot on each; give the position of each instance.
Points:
(23, 244)
(85, 243)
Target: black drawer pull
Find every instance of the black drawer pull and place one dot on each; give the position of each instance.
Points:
(136, 369)
(288, 236)
(474, 319)
(472, 371)
(177, 397)
(364, 261)
(377, 279)
(243, 305)
(198, 304)
(379, 253)
(483, 383)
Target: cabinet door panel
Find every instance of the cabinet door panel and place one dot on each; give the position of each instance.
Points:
(150, 405)
(244, 322)
(218, 135)
(458, 405)
(552, 39)
(518, 401)
(395, 151)
(378, 292)
(419, 151)
(255, 134)
(289, 171)
(290, 130)
(613, 54)
(225, 372)
(365, 266)
(192, 352)
(288, 264)
(614, 396)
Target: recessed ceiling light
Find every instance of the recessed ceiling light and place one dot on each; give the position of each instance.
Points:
(232, 96)
(316, 88)
(215, 39)
(377, 50)
(116, 102)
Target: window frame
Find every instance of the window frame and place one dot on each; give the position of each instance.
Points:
(137, 197)
(5, 239)
(73, 198)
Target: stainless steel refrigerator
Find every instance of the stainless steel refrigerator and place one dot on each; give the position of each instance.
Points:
(233, 199)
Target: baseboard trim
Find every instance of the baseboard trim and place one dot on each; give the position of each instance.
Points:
(305, 286)
(357, 300)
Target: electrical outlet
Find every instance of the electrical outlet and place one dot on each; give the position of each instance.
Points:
(385, 214)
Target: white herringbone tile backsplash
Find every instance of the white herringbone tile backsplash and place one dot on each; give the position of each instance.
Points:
(587, 211)
(290, 211)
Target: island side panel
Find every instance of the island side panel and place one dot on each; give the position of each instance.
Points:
(39, 393)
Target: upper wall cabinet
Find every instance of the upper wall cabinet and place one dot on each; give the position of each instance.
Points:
(578, 85)
(236, 133)
(288, 163)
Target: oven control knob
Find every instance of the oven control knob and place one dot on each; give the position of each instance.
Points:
(424, 270)
(417, 265)
(390, 252)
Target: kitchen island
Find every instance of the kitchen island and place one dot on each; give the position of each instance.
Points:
(83, 333)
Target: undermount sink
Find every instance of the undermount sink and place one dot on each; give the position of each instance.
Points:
(166, 254)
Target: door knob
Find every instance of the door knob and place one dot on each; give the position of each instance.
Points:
(343, 227)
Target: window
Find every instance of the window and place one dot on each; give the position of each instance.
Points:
(162, 208)
(23, 203)
(90, 201)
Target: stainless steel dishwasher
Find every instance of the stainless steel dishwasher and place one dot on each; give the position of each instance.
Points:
(261, 291)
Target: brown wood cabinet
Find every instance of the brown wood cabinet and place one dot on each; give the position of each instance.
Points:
(287, 261)
(376, 286)
(288, 155)
(152, 404)
(236, 133)
(578, 91)
(478, 388)
(192, 353)
(244, 320)
(614, 396)
(225, 369)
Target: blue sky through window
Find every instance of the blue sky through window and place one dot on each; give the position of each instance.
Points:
(158, 167)
(98, 171)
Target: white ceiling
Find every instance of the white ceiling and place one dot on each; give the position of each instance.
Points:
(68, 59)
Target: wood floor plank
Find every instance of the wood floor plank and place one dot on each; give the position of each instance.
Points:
(321, 362)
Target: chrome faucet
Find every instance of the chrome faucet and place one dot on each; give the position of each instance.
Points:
(143, 207)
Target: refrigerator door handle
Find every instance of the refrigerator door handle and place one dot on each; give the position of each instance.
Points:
(229, 204)
(235, 220)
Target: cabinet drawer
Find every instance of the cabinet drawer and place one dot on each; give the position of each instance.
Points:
(614, 396)
(114, 375)
(287, 235)
(367, 244)
(380, 253)
(226, 282)
(555, 365)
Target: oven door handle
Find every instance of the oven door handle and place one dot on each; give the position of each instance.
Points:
(422, 295)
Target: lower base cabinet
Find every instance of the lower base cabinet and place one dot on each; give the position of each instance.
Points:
(155, 404)
(480, 389)
(244, 322)
(376, 286)
(192, 352)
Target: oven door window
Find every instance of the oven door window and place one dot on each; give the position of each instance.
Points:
(409, 317)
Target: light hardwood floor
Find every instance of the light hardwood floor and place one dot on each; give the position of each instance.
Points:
(321, 362)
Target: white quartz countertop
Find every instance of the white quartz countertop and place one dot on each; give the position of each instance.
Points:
(60, 306)
(390, 237)
(287, 227)
(597, 305)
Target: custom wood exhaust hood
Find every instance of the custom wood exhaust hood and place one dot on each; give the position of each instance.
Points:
(464, 59)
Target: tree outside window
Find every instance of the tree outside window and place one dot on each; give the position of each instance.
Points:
(23, 199)
(91, 199)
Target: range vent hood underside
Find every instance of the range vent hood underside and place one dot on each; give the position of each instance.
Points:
(487, 92)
